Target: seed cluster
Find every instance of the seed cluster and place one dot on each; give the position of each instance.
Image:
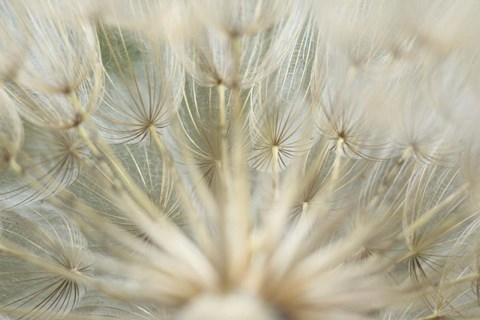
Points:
(239, 159)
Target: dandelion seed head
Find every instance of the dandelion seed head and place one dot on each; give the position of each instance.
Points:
(239, 159)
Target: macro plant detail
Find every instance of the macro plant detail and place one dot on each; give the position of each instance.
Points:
(239, 159)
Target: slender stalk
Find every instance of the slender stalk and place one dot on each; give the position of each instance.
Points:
(276, 172)
(200, 232)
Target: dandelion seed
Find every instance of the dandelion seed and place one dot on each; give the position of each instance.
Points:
(220, 43)
(49, 162)
(60, 78)
(27, 291)
(281, 126)
(145, 93)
